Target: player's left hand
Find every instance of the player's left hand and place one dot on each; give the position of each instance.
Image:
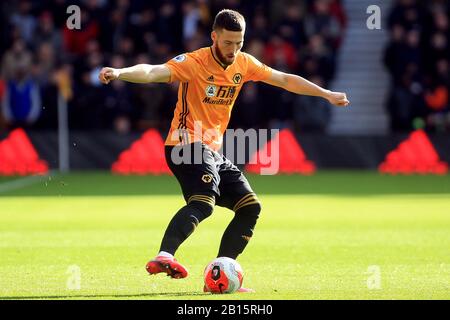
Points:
(338, 99)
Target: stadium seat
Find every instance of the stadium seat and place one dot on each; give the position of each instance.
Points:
(292, 159)
(145, 156)
(19, 157)
(414, 155)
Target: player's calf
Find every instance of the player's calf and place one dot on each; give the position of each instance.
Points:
(185, 221)
(240, 230)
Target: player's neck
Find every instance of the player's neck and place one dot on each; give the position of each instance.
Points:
(213, 51)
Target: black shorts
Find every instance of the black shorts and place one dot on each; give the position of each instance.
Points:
(211, 173)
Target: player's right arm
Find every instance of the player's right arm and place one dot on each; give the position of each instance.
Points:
(140, 73)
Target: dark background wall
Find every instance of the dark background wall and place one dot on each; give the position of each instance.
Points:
(99, 149)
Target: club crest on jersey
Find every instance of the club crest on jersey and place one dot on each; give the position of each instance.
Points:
(237, 78)
(207, 178)
(180, 58)
(211, 90)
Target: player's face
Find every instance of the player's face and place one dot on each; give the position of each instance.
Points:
(227, 44)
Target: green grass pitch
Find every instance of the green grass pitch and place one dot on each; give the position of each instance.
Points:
(334, 235)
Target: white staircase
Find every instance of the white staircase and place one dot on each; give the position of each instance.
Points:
(361, 73)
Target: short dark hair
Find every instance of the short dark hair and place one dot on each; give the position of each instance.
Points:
(229, 20)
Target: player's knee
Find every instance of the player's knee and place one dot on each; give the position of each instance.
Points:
(248, 205)
(197, 209)
(203, 208)
(247, 217)
(251, 211)
(203, 204)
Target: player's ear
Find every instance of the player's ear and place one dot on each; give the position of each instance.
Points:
(213, 36)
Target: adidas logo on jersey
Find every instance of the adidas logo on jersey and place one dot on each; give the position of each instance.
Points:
(210, 79)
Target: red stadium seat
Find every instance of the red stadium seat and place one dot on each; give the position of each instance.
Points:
(292, 158)
(19, 157)
(414, 155)
(145, 156)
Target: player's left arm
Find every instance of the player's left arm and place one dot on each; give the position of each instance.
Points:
(299, 85)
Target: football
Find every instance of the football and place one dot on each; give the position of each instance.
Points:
(223, 275)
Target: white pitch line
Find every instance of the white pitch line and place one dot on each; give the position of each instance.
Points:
(22, 182)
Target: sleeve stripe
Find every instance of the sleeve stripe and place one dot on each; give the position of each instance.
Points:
(184, 136)
(186, 104)
(184, 108)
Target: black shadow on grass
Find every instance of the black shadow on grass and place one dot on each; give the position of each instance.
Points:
(140, 295)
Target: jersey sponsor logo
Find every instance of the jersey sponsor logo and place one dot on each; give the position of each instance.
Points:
(224, 95)
(211, 90)
(237, 78)
(180, 58)
(224, 102)
(224, 92)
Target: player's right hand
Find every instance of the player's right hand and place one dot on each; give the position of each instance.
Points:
(338, 99)
(107, 74)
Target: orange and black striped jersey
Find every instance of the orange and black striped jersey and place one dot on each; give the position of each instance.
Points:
(207, 94)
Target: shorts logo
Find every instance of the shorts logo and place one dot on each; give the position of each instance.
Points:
(237, 78)
(211, 90)
(180, 58)
(206, 178)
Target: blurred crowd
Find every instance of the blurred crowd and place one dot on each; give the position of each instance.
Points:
(418, 58)
(42, 60)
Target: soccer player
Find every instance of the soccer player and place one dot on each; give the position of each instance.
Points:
(210, 80)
